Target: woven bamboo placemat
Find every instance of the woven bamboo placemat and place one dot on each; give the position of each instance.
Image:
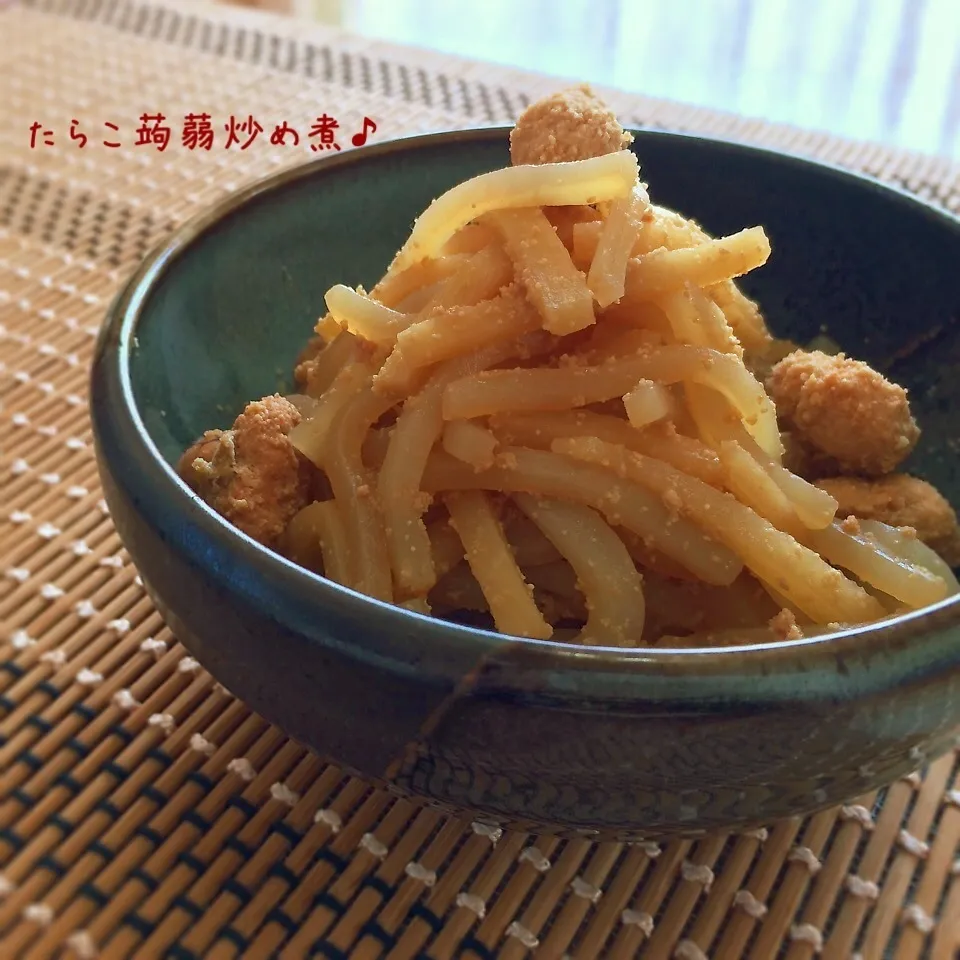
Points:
(144, 812)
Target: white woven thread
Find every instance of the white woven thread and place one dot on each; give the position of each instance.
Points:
(807, 933)
(519, 932)
(697, 873)
(859, 887)
(417, 871)
(807, 857)
(638, 918)
(912, 845)
(858, 813)
(749, 904)
(535, 858)
(283, 794)
(82, 945)
(585, 889)
(330, 818)
(243, 768)
(200, 744)
(473, 903)
(125, 700)
(164, 721)
(489, 830)
(39, 913)
(20, 640)
(154, 646)
(915, 916)
(373, 846)
(688, 950)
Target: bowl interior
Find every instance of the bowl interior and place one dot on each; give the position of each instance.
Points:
(874, 269)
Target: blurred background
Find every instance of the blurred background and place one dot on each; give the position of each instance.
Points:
(884, 70)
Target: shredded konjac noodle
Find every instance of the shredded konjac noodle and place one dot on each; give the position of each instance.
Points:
(549, 416)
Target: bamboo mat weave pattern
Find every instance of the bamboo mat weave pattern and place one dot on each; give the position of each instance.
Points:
(144, 812)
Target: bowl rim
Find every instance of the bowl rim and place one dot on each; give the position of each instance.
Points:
(117, 340)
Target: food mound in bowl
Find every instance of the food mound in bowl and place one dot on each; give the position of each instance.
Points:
(557, 415)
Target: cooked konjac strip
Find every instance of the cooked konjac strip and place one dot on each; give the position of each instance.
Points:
(557, 410)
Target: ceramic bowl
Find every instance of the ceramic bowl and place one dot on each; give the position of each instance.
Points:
(597, 742)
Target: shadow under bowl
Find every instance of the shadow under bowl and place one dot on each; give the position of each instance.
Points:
(603, 743)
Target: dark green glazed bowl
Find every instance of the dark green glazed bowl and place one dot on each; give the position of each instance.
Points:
(607, 743)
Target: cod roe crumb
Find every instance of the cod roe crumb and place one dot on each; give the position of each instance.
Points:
(570, 125)
(251, 474)
(845, 409)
